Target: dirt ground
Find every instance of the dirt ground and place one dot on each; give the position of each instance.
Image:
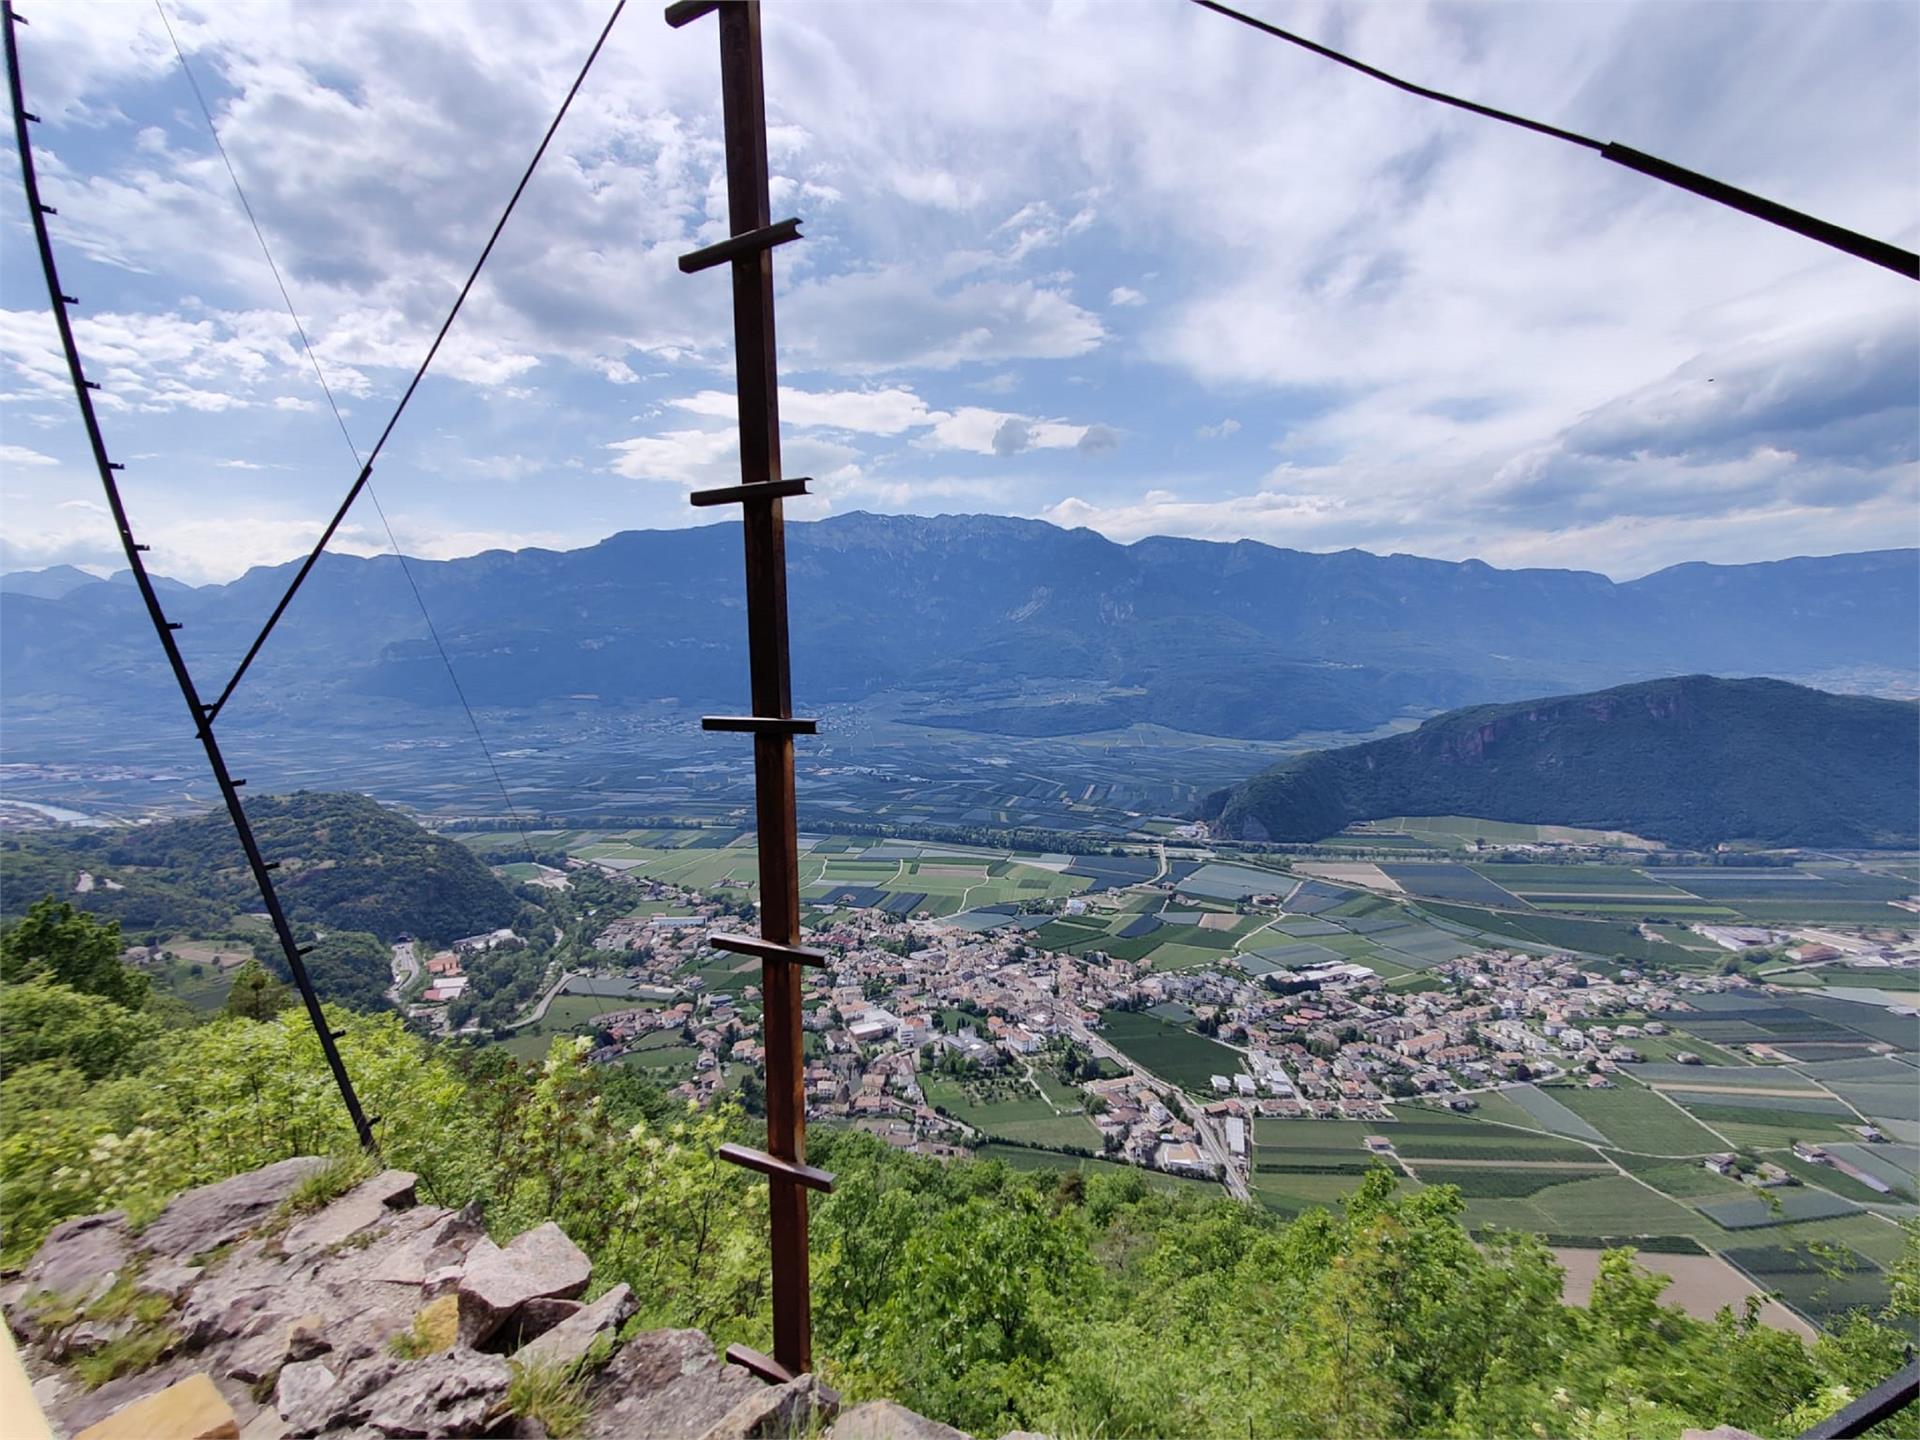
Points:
(1701, 1285)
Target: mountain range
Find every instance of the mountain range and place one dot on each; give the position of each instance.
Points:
(1691, 760)
(975, 622)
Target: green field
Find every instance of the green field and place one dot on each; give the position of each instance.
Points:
(1659, 1048)
(1169, 1051)
(1438, 1134)
(1494, 1182)
(1766, 1129)
(1292, 1192)
(1634, 1118)
(1011, 1110)
(1682, 1179)
(1600, 938)
(1494, 1105)
(1608, 1205)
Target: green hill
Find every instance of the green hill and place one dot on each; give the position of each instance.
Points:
(347, 863)
(1692, 760)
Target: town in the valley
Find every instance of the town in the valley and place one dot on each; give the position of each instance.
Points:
(1193, 1015)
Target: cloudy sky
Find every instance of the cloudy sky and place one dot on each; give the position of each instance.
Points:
(1123, 265)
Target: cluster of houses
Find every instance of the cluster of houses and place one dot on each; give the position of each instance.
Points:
(905, 995)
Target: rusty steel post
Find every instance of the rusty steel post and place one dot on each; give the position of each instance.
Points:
(749, 254)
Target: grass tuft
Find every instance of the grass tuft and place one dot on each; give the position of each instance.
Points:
(123, 1355)
(555, 1395)
(333, 1179)
(434, 1328)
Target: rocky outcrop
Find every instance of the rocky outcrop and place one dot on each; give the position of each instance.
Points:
(215, 1215)
(372, 1317)
(542, 1264)
(884, 1420)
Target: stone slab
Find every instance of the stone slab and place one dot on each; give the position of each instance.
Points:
(193, 1409)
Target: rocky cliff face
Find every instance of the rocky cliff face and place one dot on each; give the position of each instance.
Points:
(371, 1317)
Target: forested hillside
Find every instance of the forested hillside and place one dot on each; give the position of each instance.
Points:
(1694, 761)
(987, 1297)
(346, 863)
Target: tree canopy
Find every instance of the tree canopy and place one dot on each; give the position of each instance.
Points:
(988, 1297)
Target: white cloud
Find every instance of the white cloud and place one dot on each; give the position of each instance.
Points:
(1220, 431)
(21, 455)
(996, 432)
(886, 411)
(1469, 338)
(699, 459)
(893, 317)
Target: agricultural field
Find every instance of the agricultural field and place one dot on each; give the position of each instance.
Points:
(1424, 1135)
(1702, 1285)
(1441, 881)
(1598, 938)
(1603, 1205)
(569, 1014)
(1631, 1117)
(1169, 1051)
(1294, 1191)
(1010, 1109)
(1551, 1110)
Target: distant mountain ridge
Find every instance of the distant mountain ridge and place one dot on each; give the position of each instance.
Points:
(983, 623)
(1691, 760)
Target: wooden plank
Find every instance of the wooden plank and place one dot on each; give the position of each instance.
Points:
(765, 1366)
(761, 724)
(759, 491)
(772, 1165)
(740, 246)
(766, 949)
(685, 12)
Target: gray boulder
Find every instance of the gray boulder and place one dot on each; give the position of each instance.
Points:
(366, 1204)
(666, 1385)
(453, 1394)
(568, 1342)
(80, 1259)
(541, 1263)
(884, 1420)
(777, 1411)
(313, 1397)
(445, 1243)
(308, 1397)
(212, 1215)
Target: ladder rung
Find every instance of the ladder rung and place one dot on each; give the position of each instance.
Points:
(758, 491)
(740, 247)
(761, 724)
(685, 12)
(773, 1165)
(766, 949)
(754, 1363)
